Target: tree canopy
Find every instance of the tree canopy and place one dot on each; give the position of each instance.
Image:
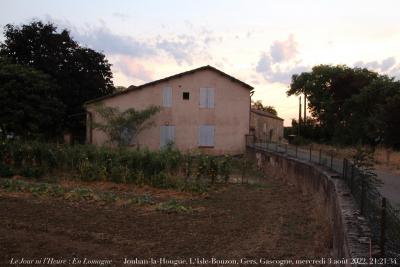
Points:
(80, 73)
(259, 105)
(349, 105)
(30, 108)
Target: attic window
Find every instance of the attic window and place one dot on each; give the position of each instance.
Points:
(185, 96)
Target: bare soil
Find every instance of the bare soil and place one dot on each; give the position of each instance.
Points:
(272, 220)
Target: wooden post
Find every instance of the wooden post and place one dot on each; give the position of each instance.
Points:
(319, 157)
(299, 123)
(351, 178)
(383, 226)
(362, 194)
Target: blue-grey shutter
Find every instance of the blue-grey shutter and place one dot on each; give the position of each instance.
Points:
(171, 134)
(167, 97)
(210, 97)
(203, 97)
(167, 134)
(206, 135)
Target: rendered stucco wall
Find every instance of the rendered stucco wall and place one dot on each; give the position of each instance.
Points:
(274, 126)
(230, 114)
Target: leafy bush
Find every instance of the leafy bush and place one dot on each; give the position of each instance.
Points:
(167, 168)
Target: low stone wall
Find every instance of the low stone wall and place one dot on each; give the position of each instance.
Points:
(351, 234)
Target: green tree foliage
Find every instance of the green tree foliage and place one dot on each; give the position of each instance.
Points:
(123, 127)
(348, 105)
(80, 73)
(30, 108)
(258, 105)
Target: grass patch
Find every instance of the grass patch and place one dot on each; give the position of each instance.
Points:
(173, 206)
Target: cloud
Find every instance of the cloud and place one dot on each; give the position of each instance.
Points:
(105, 40)
(279, 63)
(180, 48)
(283, 50)
(388, 63)
(264, 64)
(131, 68)
(387, 66)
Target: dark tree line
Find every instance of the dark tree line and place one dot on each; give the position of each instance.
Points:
(349, 106)
(45, 78)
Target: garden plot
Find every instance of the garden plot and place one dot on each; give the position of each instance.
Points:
(117, 222)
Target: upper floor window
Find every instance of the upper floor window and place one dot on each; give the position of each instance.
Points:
(185, 95)
(167, 97)
(207, 97)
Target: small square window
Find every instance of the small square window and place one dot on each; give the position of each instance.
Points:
(185, 95)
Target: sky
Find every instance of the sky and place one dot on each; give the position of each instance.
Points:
(259, 42)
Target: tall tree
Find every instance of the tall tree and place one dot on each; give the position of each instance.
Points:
(259, 105)
(329, 89)
(30, 108)
(81, 73)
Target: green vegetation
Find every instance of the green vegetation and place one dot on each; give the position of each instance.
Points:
(46, 77)
(259, 105)
(348, 106)
(167, 168)
(123, 127)
(173, 206)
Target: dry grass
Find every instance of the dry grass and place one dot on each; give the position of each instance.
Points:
(385, 158)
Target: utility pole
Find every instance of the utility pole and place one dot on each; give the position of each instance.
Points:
(299, 122)
(305, 108)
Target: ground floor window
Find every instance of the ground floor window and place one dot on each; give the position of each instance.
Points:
(167, 135)
(206, 135)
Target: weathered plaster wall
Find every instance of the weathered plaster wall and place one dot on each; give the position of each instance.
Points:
(230, 114)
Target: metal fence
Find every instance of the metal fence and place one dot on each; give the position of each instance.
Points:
(383, 218)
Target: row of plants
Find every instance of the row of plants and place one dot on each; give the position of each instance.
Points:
(42, 189)
(165, 168)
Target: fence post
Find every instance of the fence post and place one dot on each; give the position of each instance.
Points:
(276, 146)
(344, 169)
(319, 157)
(362, 194)
(310, 154)
(383, 226)
(351, 178)
(296, 151)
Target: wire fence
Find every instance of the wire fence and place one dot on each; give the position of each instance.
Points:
(383, 218)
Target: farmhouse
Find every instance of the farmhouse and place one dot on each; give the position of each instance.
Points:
(203, 109)
(266, 126)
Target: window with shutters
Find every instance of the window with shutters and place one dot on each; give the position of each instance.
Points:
(167, 97)
(207, 97)
(167, 135)
(206, 135)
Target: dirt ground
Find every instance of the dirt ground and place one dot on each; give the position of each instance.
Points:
(272, 221)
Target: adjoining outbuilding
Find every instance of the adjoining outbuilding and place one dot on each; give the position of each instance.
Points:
(203, 109)
(266, 126)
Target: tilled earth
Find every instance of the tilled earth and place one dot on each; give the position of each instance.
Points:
(271, 221)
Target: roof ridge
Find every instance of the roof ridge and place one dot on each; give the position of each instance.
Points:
(168, 78)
